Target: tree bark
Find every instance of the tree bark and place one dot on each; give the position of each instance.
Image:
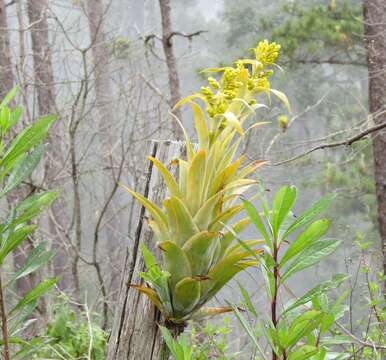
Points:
(96, 13)
(6, 84)
(135, 333)
(374, 14)
(100, 60)
(45, 92)
(171, 63)
(6, 75)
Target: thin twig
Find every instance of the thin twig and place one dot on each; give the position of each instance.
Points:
(347, 142)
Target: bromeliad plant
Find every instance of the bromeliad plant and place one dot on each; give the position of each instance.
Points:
(19, 156)
(199, 255)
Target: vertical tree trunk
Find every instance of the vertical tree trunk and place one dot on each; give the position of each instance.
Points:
(100, 60)
(135, 333)
(45, 91)
(6, 76)
(374, 13)
(96, 13)
(171, 62)
(6, 84)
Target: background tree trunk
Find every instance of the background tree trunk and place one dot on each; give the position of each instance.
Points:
(6, 76)
(374, 13)
(45, 92)
(6, 84)
(100, 59)
(135, 333)
(171, 62)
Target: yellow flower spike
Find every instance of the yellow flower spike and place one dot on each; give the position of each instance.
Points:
(266, 52)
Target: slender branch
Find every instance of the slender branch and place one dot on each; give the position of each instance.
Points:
(186, 35)
(359, 341)
(174, 33)
(330, 61)
(347, 142)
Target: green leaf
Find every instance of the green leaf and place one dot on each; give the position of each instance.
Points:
(249, 331)
(233, 121)
(32, 206)
(321, 288)
(303, 352)
(247, 300)
(170, 342)
(148, 257)
(282, 97)
(282, 203)
(302, 326)
(256, 219)
(27, 139)
(195, 181)
(17, 323)
(186, 295)
(310, 214)
(170, 181)
(15, 116)
(311, 256)
(176, 262)
(22, 169)
(180, 222)
(14, 239)
(38, 257)
(201, 126)
(199, 249)
(36, 292)
(313, 233)
(10, 95)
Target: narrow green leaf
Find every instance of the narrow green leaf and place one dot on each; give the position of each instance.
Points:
(249, 331)
(32, 206)
(36, 292)
(170, 342)
(310, 214)
(14, 239)
(38, 257)
(27, 139)
(311, 256)
(313, 233)
(22, 169)
(281, 205)
(10, 95)
(321, 288)
(282, 97)
(201, 126)
(256, 219)
(303, 352)
(247, 300)
(302, 325)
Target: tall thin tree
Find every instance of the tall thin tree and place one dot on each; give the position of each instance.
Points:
(45, 94)
(171, 63)
(6, 76)
(374, 13)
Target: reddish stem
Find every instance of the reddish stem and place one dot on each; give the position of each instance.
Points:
(4, 327)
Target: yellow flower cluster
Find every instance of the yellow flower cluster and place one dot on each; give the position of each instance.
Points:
(247, 75)
(266, 52)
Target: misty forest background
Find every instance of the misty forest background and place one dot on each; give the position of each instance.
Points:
(112, 70)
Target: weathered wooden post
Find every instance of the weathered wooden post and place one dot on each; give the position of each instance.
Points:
(135, 334)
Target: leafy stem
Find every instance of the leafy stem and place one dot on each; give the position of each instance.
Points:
(4, 327)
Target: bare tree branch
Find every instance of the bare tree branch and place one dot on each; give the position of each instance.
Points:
(347, 142)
